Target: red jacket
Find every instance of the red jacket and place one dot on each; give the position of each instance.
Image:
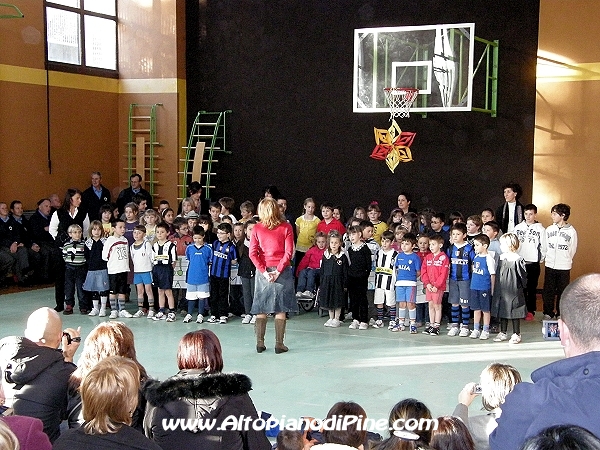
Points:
(435, 270)
(333, 225)
(312, 259)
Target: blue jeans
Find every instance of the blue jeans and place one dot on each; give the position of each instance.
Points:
(74, 279)
(306, 280)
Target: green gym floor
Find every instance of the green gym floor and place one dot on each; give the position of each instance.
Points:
(374, 367)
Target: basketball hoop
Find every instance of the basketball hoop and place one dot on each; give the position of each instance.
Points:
(400, 100)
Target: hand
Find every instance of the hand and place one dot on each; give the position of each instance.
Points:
(434, 289)
(70, 349)
(13, 247)
(466, 396)
(274, 276)
(267, 276)
(35, 248)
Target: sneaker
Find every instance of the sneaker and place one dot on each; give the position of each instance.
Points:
(396, 328)
(475, 334)
(308, 294)
(484, 335)
(328, 323)
(125, 314)
(335, 323)
(160, 316)
(348, 316)
(94, 312)
(247, 318)
(187, 318)
(363, 326)
(139, 313)
(102, 312)
(500, 337)
(515, 339)
(171, 317)
(371, 322)
(253, 320)
(298, 294)
(392, 324)
(427, 330)
(434, 331)
(354, 325)
(212, 319)
(449, 326)
(547, 317)
(413, 329)
(223, 319)
(453, 331)
(68, 310)
(464, 331)
(114, 314)
(377, 324)
(529, 317)
(150, 314)
(200, 318)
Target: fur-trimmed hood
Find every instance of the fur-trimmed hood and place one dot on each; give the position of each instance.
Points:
(195, 385)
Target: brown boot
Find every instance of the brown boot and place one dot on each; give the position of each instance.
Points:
(260, 326)
(279, 333)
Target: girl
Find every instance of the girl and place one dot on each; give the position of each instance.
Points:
(395, 217)
(106, 217)
(338, 213)
(333, 275)
(455, 217)
(168, 216)
(187, 205)
(96, 280)
(150, 219)
(360, 212)
(374, 213)
(246, 271)
(306, 227)
(399, 232)
(402, 439)
(508, 301)
(411, 222)
(425, 217)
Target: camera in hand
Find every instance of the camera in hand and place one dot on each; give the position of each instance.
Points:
(71, 339)
(477, 389)
(550, 330)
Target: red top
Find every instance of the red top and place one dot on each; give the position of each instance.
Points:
(333, 225)
(435, 269)
(181, 243)
(312, 259)
(271, 248)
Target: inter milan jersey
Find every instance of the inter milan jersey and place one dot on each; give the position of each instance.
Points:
(461, 259)
(223, 254)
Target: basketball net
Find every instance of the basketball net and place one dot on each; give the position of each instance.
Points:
(400, 100)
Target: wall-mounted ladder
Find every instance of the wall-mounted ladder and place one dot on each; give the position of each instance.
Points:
(207, 137)
(141, 144)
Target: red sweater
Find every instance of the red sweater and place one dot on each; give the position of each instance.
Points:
(435, 269)
(312, 259)
(271, 248)
(333, 225)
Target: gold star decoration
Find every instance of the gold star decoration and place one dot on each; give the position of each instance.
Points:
(393, 145)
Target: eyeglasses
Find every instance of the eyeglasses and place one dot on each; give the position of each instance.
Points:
(222, 232)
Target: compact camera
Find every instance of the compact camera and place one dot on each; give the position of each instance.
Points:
(71, 339)
(477, 389)
(550, 330)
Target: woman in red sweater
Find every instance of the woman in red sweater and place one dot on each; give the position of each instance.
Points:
(271, 249)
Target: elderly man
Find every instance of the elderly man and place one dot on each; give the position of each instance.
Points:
(94, 197)
(126, 195)
(14, 243)
(565, 391)
(35, 373)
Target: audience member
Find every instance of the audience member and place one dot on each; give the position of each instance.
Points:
(50, 254)
(135, 188)
(29, 432)
(8, 440)
(451, 434)
(15, 244)
(94, 197)
(350, 437)
(563, 437)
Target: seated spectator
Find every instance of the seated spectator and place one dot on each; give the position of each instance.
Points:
(496, 381)
(562, 437)
(451, 434)
(292, 440)
(107, 339)
(353, 436)
(35, 373)
(109, 394)
(8, 440)
(28, 431)
(201, 391)
(15, 244)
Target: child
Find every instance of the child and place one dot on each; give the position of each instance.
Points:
(333, 275)
(246, 271)
(150, 219)
(455, 217)
(360, 212)
(206, 222)
(483, 278)
(75, 270)
(308, 269)
(395, 217)
(131, 221)
(561, 245)
(329, 222)
(168, 216)
(421, 301)
(215, 214)
(338, 213)
(199, 256)
(192, 220)
(374, 213)
(410, 220)
(236, 293)
(384, 280)
(162, 205)
(474, 225)
(487, 215)
(358, 278)
(187, 205)
(461, 259)
(141, 256)
(227, 205)
(408, 269)
(246, 211)
(354, 221)
(96, 280)
(106, 218)
(532, 247)
(434, 272)
(491, 229)
(509, 298)
(306, 227)
(399, 232)
(116, 254)
(224, 255)
(164, 258)
(182, 239)
(438, 225)
(368, 233)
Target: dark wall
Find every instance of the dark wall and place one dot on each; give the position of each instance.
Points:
(285, 70)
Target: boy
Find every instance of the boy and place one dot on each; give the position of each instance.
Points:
(141, 256)
(474, 225)
(435, 276)
(492, 230)
(308, 269)
(532, 239)
(116, 254)
(329, 222)
(192, 220)
(438, 226)
(182, 239)
(422, 307)
(368, 230)
(247, 211)
(215, 213)
(75, 270)
(483, 277)
(227, 205)
(358, 278)
(461, 259)
(384, 280)
(408, 269)
(162, 205)
(164, 257)
(199, 256)
(236, 295)
(561, 245)
(224, 255)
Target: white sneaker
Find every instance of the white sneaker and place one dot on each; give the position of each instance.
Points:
(187, 318)
(354, 325)
(247, 318)
(515, 339)
(253, 320)
(150, 314)
(377, 324)
(94, 312)
(363, 326)
(328, 323)
(114, 314)
(453, 331)
(335, 323)
(464, 331)
(308, 294)
(392, 324)
(500, 337)
(449, 326)
(159, 316)
(102, 312)
(298, 294)
(475, 334)
(139, 313)
(348, 316)
(200, 318)
(172, 317)
(223, 319)
(484, 335)
(213, 319)
(125, 314)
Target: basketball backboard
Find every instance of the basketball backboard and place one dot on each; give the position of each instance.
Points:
(435, 59)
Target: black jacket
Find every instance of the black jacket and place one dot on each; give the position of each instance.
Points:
(192, 394)
(126, 438)
(91, 203)
(39, 378)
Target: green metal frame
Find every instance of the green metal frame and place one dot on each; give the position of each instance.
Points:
(152, 144)
(491, 76)
(17, 15)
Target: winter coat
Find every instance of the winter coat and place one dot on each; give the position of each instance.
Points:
(126, 438)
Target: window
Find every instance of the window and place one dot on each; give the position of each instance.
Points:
(81, 36)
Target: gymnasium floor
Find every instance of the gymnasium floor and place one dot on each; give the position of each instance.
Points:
(375, 367)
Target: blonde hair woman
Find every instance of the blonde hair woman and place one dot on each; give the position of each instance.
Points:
(271, 250)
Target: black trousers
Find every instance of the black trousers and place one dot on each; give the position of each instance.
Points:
(555, 282)
(533, 276)
(357, 292)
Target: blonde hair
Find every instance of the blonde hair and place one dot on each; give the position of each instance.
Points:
(8, 440)
(269, 213)
(109, 394)
(497, 381)
(511, 240)
(150, 212)
(95, 224)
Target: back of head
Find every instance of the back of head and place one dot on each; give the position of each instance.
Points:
(580, 311)
(44, 327)
(451, 434)
(497, 381)
(269, 213)
(200, 349)
(410, 423)
(8, 440)
(563, 437)
(353, 435)
(290, 440)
